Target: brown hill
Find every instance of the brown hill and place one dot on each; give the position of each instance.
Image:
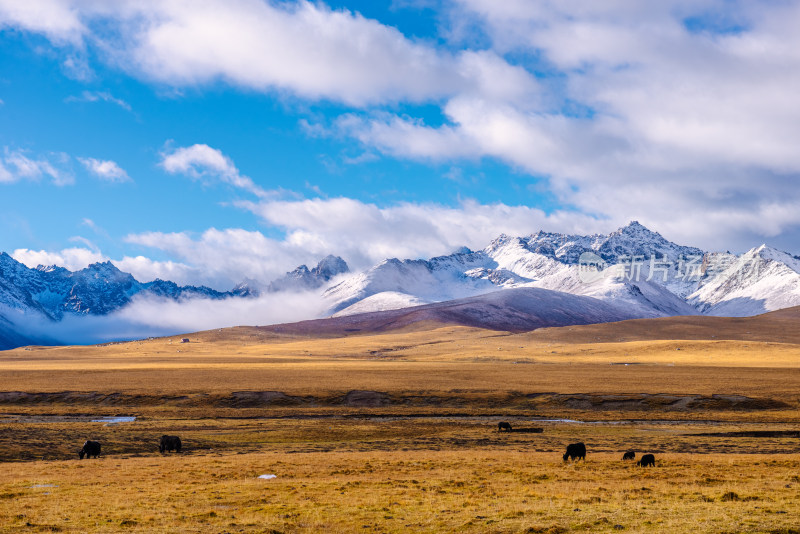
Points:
(781, 326)
(511, 310)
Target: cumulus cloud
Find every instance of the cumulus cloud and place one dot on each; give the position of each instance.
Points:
(365, 234)
(303, 48)
(202, 161)
(58, 20)
(223, 258)
(73, 259)
(686, 126)
(145, 269)
(106, 170)
(678, 113)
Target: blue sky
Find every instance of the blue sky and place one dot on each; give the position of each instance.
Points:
(209, 142)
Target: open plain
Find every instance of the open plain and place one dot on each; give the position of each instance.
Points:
(395, 430)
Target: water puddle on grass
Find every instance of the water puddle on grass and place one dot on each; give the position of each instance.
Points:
(46, 418)
(115, 420)
(493, 419)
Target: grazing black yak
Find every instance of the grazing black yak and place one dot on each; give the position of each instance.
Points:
(630, 455)
(89, 449)
(647, 460)
(503, 425)
(169, 443)
(575, 451)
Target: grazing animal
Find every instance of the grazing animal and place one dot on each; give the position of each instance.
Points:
(647, 460)
(575, 451)
(503, 425)
(630, 455)
(169, 443)
(89, 449)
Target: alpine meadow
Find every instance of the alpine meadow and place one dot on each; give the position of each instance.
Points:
(458, 266)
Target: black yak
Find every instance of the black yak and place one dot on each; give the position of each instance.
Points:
(503, 425)
(89, 449)
(630, 455)
(169, 443)
(575, 451)
(647, 460)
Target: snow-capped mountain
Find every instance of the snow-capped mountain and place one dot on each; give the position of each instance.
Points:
(633, 270)
(638, 268)
(300, 279)
(303, 278)
(98, 289)
(763, 279)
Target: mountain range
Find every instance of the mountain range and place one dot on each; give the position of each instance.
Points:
(567, 279)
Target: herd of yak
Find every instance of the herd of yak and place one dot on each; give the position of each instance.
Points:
(166, 444)
(575, 451)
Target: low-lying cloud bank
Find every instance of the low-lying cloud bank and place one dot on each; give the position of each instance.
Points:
(148, 316)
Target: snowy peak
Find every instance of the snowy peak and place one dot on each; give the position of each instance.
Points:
(772, 254)
(99, 289)
(632, 240)
(637, 240)
(303, 278)
(633, 269)
(329, 267)
(762, 279)
(645, 272)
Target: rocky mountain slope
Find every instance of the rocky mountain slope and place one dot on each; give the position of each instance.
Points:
(633, 267)
(635, 271)
(99, 289)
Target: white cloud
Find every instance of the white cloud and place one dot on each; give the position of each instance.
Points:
(99, 96)
(73, 259)
(365, 234)
(146, 270)
(15, 165)
(223, 258)
(153, 316)
(625, 110)
(304, 48)
(58, 20)
(692, 131)
(106, 170)
(202, 161)
(5, 175)
(142, 268)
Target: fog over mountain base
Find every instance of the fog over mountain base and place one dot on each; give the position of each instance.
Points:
(632, 272)
(149, 316)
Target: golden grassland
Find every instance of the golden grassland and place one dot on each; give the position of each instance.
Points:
(396, 432)
(403, 491)
(440, 359)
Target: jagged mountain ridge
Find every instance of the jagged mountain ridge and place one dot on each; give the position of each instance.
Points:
(99, 289)
(645, 275)
(545, 260)
(300, 279)
(648, 274)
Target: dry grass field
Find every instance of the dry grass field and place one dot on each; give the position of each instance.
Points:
(402, 491)
(397, 431)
